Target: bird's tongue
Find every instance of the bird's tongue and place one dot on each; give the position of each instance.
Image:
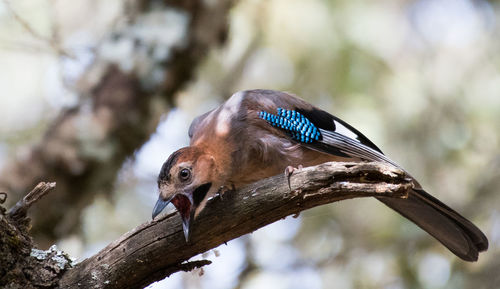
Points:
(183, 205)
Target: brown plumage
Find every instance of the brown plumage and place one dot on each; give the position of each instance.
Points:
(233, 145)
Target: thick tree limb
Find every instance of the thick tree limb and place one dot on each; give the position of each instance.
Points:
(22, 266)
(157, 249)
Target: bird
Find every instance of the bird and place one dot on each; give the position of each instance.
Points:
(261, 133)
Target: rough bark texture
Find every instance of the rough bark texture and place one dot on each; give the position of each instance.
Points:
(86, 145)
(157, 249)
(22, 265)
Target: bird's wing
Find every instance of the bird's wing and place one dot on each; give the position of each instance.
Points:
(321, 131)
(333, 135)
(331, 123)
(338, 136)
(197, 123)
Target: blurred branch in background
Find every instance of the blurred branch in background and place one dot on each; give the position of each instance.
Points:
(52, 42)
(121, 100)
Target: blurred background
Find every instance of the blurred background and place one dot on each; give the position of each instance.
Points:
(420, 78)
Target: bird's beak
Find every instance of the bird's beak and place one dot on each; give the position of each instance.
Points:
(186, 224)
(184, 205)
(159, 206)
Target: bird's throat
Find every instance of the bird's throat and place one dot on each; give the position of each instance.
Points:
(183, 205)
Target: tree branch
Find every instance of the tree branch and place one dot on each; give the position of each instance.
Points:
(22, 265)
(20, 209)
(157, 248)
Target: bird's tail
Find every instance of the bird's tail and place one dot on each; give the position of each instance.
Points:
(455, 232)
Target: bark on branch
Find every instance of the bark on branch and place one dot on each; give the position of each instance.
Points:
(20, 210)
(157, 248)
(22, 266)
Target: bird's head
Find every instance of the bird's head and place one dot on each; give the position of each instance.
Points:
(185, 180)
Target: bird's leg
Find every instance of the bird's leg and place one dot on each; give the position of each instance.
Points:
(224, 189)
(288, 173)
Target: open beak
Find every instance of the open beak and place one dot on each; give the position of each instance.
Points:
(184, 206)
(186, 224)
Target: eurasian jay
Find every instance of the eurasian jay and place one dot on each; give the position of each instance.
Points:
(260, 133)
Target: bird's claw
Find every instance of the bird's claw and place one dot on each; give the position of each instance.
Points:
(224, 189)
(289, 170)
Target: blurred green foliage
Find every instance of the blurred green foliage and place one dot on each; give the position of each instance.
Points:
(419, 78)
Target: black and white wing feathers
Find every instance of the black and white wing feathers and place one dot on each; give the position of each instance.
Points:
(339, 138)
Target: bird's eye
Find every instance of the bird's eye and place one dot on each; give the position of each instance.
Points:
(184, 174)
